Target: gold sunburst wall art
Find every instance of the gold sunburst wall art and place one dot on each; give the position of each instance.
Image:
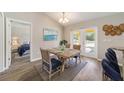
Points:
(113, 30)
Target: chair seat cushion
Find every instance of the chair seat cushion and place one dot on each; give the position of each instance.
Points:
(55, 63)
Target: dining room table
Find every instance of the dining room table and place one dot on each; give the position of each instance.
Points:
(64, 54)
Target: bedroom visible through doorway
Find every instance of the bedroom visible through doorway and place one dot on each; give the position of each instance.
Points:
(18, 42)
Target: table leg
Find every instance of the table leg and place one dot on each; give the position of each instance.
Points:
(63, 67)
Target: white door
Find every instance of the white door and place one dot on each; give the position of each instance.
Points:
(2, 42)
(89, 42)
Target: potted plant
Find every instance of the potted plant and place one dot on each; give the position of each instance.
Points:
(63, 44)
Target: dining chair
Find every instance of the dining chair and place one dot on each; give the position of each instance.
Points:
(78, 55)
(77, 47)
(113, 53)
(67, 45)
(112, 61)
(50, 65)
(110, 72)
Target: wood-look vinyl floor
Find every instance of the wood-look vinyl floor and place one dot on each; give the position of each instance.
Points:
(25, 70)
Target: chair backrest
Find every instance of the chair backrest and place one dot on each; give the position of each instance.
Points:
(110, 50)
(109, 71)
(77, 47)
(45, 55)
(67, 45)
(112, 61)
(110, 57)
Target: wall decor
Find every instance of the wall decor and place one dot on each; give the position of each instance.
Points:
(49, 34)
(113, 30)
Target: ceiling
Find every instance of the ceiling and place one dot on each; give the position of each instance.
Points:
(76, 17)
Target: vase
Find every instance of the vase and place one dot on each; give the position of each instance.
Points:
(62, 47)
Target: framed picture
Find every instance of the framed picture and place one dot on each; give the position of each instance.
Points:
(49, 34)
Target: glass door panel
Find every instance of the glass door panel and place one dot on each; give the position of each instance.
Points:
(89, 43)
(87, 38)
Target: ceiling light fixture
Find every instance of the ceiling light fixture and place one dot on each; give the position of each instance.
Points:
(63, 19)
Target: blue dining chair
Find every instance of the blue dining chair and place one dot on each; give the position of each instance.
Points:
(112, 61)
(110, 72)
(50, 65)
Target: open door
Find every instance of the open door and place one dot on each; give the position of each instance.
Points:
(2, 50)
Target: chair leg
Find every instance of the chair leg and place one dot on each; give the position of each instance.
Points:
(106, 77)
(76, 61)
(50, 72)
(60, 70)
(49, 76)
(103, 76)
(42, 68)
(80, 59)
(69, 59)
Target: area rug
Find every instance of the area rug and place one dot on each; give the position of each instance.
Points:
(68, 75)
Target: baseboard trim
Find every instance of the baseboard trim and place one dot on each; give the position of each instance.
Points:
(98, 59)
(3, 69)
(36, 59)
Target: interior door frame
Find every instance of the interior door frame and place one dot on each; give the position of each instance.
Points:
(8, 30)
(3, 41)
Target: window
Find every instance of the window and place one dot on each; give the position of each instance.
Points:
(76, 38)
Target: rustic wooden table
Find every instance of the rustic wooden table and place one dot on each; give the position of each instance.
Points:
(64, 55)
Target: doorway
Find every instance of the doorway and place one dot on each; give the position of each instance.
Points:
(18, 42)
(87, 38)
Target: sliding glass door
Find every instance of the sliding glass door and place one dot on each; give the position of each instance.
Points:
(87, 38)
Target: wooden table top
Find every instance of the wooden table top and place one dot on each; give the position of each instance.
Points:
(67, 53)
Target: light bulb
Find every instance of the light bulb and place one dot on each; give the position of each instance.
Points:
(66, 19)
(60, 20)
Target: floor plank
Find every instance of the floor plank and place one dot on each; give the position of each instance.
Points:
(92, 71)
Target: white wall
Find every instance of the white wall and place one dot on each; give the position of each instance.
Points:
(103, 41)
(39, 21)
